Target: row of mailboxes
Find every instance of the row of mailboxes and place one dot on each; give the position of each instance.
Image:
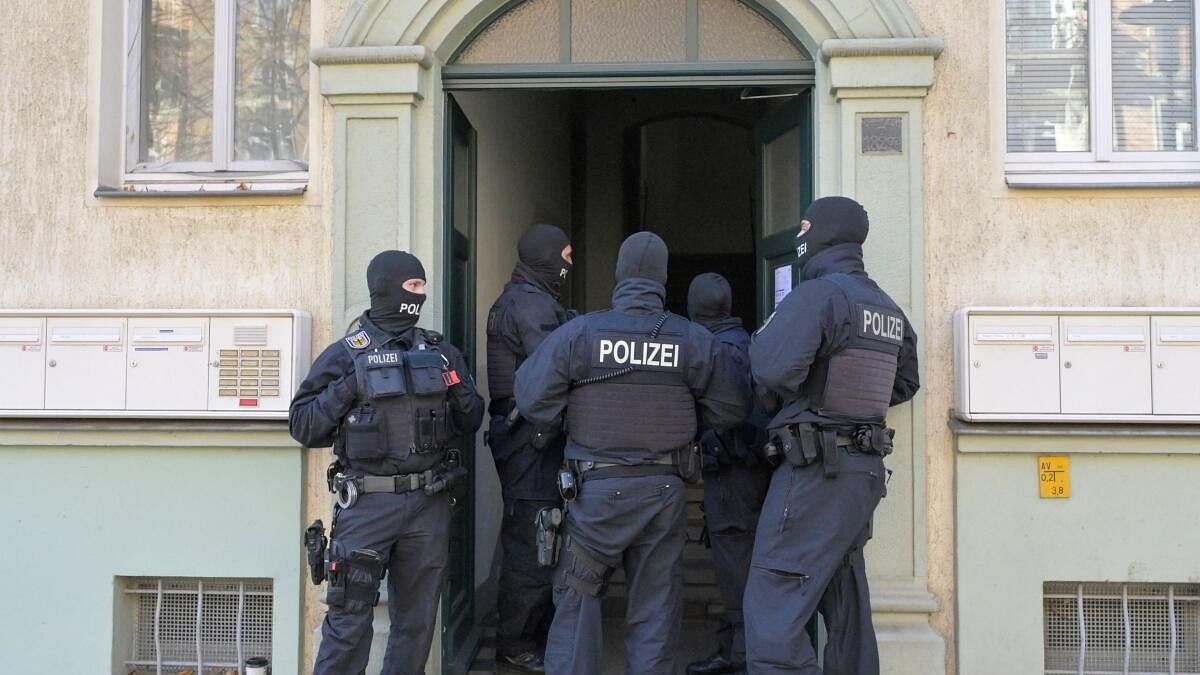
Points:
(1073, 364)
(158, 363)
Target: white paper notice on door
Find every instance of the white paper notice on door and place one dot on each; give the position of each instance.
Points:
(783, 282)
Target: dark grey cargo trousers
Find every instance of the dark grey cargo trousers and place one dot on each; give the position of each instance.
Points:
(733, 498)
(808, 557)
(637, 523)
(410, 531)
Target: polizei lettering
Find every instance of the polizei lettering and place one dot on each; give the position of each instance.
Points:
(383, 358)
(638, 353)
(881, 325)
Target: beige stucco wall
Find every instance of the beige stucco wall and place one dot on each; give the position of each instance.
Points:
(62, 247)
(987, 244)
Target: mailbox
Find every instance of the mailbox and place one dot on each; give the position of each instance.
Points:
(1018, 348)
(85, 363)
(1106, 365)
(23, 362)
(1175, 353)
(1077, 364)
(168, 364)
(152, 363)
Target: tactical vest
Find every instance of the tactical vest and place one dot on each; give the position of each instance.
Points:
(502, 360)
(855, 383)
(635, 396)
(400, 420)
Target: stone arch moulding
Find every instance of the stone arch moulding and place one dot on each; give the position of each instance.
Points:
(873, 68)
(384, 23)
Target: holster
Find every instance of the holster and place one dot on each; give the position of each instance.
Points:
(546, 526)
(314, 545)
(800, 443)
(829, 452)
(687, 461)
(354, 581)
(874, 438)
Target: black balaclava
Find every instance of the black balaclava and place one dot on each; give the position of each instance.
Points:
(393, 308)
(540, 257)
(710, 302)
(643, 256)
(834, 220)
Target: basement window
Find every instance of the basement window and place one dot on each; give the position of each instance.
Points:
(1121, 629)
(203, 626)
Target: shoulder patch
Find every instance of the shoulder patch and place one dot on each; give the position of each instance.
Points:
(359, 340)
(433, 337)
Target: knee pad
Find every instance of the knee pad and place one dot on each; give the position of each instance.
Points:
(353, 578)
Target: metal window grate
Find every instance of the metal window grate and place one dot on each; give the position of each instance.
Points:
(1121, 629)
(202, 626)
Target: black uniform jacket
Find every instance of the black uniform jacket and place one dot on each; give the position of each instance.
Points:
(330, 390)
(814, 322)
(543, 384)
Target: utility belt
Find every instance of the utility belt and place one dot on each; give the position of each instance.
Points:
(804, 444)
(683, 462)
(347, 489)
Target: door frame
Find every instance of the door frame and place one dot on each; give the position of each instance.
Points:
(457, 657)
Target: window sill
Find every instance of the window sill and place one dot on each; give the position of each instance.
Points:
(196, 186)
(1035, 179)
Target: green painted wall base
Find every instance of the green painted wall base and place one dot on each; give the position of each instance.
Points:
(1131, 517)
(86, 503)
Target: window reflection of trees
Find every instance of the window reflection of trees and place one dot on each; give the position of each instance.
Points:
(271, 91)
(269, 86)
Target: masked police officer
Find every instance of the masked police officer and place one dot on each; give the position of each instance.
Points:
(630, 381)
(837, 353)
(527, 458)
(392, 399)
(735, 479)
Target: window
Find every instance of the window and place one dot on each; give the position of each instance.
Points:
(1113, 628)
(1101, 92)
(188, 625)
(216, 89)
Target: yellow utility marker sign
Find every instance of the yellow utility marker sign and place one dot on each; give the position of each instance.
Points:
(1054, 477)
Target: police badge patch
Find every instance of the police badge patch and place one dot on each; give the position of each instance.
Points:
(359, 340)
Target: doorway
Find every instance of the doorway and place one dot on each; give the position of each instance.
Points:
(722, 174)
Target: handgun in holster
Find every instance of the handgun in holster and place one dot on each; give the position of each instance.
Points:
(546, 524)
(687, 462)
(315, 543)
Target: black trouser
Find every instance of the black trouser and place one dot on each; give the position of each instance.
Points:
(410, 531)
(733, 498)
(808, 557)
(637, 523)
(525, 604)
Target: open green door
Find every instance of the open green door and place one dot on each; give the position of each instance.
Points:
(783, 140)
(460, 636)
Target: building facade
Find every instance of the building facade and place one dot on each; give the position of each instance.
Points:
(176, 154)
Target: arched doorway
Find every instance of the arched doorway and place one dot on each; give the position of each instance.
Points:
(396, 131)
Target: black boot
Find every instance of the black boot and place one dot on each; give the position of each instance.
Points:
(715, 665)
(525, 662)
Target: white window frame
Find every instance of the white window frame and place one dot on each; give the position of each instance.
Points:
(1103, 166)
(241, 176)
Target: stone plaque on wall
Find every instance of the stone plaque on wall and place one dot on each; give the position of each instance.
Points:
(882, 135)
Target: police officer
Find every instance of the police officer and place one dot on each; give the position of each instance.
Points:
(393, 399)
(630, 381)
(837, 353)
(735, 479)
(527, 458)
